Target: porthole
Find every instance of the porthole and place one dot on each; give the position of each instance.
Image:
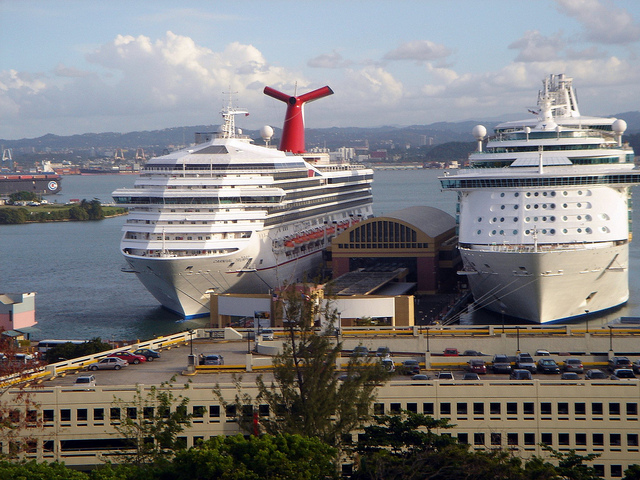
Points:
(588, 230)
(564, 230)
(544, 219)
(579, 230)
(544, 194)
(527, 207)
(564, 205)
(553, 194)
(528, 194)
(501, 207)
(527, 232)
(502, 194)
(536, 194)
(535, 219)
(544, 205)
(527, 219)
(493, 232)
(579, 217)
(515, 219)
(515, 232)
(579, 192)
(478, 232)
(501, 232)
(552, 231)
(552, 219)
(535, 206)
(501, 219)
(565, 193)
(587, 218)
(494, 220)
(515, 207)
(552, 206)
(517, 194)
(479, 219)
(564, 218)
(579, 205)
(544, 231)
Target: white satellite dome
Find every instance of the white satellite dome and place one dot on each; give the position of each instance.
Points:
(479, 132)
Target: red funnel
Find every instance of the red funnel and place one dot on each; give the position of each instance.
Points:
(293, 129)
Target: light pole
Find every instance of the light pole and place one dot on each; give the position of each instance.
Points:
(610, 338)
(427, 339)
(518, 337)
(191, 340)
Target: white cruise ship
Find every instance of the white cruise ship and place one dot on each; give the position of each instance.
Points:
(228, 216)
(544, 211)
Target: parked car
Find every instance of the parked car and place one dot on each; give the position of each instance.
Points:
(520, 374)
(147, 353)
(130, 357)
(85, 381)
(524, 361)
(472, 353)
(450, 352)
(501, 364)
(211, 359)
(420, 376)
(470, 376)
(573, 365)
(619, 362)
(360, 351)
(636, 366)
(383, 351)
(476, 365)
(547, 365)
(445, 376)
(411, 367)
(108, 363)
(387, 364)
(267, 335)
(542, 353)
(596, 374)
(623, 373)
(570, 376)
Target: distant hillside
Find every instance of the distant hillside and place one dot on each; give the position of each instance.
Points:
(156, 141)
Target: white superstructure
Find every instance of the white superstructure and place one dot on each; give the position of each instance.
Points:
(228, 216)
(544, 211)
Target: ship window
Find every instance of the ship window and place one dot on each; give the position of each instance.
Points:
(536, 194)
(479, 219)
(515, 219)
(502, 194)
(517, 194)
(515, 232)
(528, 194)
(515, 207)
(501, 232)
(579, 205)
(479, 232)
(535, 206)
(527, 206)
(502, 219)
(501, 207)
(564, 205)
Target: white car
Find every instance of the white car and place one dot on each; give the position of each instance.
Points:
(85, 381)
(267, 334)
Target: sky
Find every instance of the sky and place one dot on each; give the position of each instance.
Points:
(89, 66)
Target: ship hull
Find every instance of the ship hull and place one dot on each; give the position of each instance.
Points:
(546, 286)
(39, 184)
(184, 285)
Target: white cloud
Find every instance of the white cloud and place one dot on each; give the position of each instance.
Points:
(419, 50)
(535, 47)
(329, 60)
(603, 22)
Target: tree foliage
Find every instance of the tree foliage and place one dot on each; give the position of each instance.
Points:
(306, 397)
(151, 423)
(69, 350)
(24, 196)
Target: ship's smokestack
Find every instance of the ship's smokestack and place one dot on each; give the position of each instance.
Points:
(293, 129)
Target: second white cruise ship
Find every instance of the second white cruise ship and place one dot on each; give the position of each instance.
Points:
(228, 216)
(544, 211)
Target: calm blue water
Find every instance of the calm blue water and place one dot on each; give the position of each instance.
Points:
(81, 293)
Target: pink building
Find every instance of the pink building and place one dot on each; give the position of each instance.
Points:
(17, 310)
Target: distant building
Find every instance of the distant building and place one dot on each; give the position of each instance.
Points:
(17, 310)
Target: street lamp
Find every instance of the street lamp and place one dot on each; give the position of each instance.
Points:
(191, 340)
(427, 339)
(610, 338)
(518, 337)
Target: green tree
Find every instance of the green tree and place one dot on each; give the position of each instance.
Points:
(306, 397)
(11, 216)
(282, 457)
(78, 213)
(632, 473)
(24, 196)
(69, 350)
(39, 471)
(571, 466)
(151, 423)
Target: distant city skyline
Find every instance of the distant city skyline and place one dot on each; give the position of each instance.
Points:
(72, 67)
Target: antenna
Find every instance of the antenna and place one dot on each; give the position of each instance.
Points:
(293, 129)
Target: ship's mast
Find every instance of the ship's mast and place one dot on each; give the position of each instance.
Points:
(228, 127)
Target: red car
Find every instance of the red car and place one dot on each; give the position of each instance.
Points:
(130, 357)
(476, 366)
(450, 352)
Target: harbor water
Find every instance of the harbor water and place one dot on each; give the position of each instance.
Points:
(81, 292)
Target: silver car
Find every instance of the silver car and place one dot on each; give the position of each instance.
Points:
(109, 363)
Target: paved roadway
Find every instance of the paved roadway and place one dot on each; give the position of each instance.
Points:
(173, 362)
